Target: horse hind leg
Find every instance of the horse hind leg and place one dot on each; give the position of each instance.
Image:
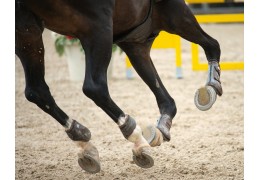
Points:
(185, 25)
(139, 54)
(30, 50)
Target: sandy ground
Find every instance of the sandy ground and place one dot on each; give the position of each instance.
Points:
(205, 145)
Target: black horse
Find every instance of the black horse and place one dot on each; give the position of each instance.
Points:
(132, 25)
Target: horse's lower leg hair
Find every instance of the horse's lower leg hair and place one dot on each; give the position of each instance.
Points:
(132, 132)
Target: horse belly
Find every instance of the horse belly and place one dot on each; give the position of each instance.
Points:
(129, 14)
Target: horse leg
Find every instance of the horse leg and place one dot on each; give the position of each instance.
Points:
(182, 22)
(29, 48)
(97, 44)
(139, 55)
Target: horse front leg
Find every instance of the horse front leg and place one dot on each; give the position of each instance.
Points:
(133, 133)
(98, 49)
(206, 96)
(139, 55)
(30, 50)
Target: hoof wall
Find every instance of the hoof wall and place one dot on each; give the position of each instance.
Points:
(153, 136)
(144, 160)
(89, 164)
(89, 160)
(205, 97)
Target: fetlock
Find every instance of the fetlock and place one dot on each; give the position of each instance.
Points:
(78, 132)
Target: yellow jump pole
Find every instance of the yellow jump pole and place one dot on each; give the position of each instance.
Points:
(129, 67)
(216, 18)
(196, 65)
(220, 18)
(178, 57)
(164, 40)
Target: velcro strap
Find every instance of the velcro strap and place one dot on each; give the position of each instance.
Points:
(164, 125)
(128, 127)
(214, 77)
(78, 132)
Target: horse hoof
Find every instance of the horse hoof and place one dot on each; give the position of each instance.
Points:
(143, 160)
(205, 97)
(152, 135)
(89, 164)
(89, 160)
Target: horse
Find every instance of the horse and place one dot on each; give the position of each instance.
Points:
(132, 25)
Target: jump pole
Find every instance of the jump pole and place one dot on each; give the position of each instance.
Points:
(216, 18)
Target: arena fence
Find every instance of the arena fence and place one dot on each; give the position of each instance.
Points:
(216, 18)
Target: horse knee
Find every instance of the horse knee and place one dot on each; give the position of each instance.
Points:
(31, 95)
(89, 91)
(97, 93)
(40, 96)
